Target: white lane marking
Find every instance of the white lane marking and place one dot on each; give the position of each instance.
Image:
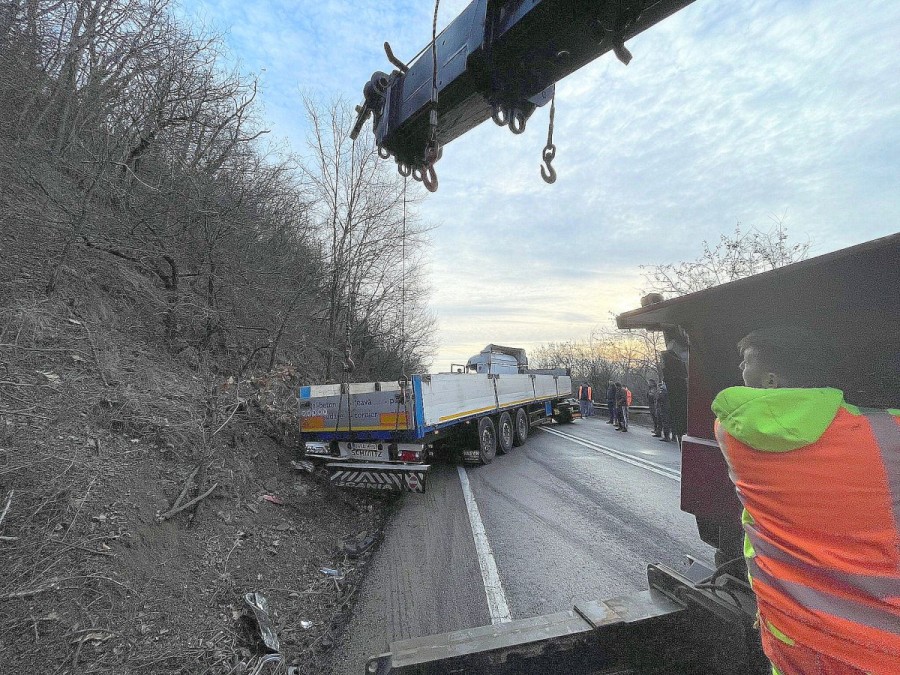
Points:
(496, 598)
(635, 461)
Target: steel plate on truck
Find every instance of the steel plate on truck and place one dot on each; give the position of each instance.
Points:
(410, 478)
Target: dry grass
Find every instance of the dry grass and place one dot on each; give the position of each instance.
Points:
(100, 427)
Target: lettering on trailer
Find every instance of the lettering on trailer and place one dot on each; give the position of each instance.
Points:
(376, 410)
(380, 480)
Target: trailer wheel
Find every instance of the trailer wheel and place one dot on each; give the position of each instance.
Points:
(522, 427)
(505, 433)
(487, 440)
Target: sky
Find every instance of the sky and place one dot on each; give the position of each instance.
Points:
(730, 112)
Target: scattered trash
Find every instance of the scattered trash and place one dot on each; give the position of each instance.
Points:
(283, 527)
(259, 606)
(329, 572)
(303, 465)
(359, 544)
(273, 499)
(305, 625)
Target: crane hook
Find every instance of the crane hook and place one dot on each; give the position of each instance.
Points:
(549, 175)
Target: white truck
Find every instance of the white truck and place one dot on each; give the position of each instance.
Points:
(382, 434)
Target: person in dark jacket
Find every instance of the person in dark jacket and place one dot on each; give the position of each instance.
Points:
(652, 396)
(663, 412)
(621, 407)
(611, 402)
(675, 376)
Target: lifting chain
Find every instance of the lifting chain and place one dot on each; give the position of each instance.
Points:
(426, 173)
(548, 173)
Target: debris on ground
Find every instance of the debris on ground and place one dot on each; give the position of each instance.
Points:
(303, 465)
(262, 625)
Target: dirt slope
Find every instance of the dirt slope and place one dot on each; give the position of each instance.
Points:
(101, 427)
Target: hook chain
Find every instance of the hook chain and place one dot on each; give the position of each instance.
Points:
(548, 173)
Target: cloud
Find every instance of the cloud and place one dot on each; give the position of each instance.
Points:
(730, 112)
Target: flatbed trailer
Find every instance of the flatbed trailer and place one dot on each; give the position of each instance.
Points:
(382, 434)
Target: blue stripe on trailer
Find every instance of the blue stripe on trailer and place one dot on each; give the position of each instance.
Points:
(420, 409)
(548, 408)
(305, 392)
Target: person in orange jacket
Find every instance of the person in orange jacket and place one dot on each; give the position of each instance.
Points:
(819, 479)
(585, 399)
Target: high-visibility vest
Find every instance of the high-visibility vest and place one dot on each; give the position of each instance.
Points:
(627, 396)
(585, 393)
(820, 484)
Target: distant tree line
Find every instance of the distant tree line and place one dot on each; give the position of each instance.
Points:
(628, 357)
(633, 357)
(123, 136)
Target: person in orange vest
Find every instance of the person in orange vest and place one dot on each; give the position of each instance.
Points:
(585, 399)
(623, 400)
(819, 479)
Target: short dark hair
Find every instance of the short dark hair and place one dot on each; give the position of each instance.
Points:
(802, 356)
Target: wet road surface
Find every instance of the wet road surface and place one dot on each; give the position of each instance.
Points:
(576, 513)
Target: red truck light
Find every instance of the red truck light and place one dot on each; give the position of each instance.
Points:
(410, 456)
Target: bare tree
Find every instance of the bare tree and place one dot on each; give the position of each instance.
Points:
(734, 256)
(372, 241)
(628, 357)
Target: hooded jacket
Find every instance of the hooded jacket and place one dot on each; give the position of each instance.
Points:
(820, 484)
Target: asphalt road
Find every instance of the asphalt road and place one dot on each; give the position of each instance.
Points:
(576, 513)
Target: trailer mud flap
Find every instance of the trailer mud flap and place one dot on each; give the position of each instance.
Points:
(410, 478)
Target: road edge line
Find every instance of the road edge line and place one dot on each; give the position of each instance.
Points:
(490, 575)
(647, 465)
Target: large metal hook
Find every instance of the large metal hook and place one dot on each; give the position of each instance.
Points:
(549, 173)
(500, 115)
(517, 121)
(429, 178)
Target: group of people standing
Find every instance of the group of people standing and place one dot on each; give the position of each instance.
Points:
(618, 400)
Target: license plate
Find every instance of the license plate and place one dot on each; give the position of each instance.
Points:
(365, 446)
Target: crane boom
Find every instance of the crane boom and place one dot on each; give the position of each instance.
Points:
(498, 59)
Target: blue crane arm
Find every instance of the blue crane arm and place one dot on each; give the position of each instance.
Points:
(498, 59)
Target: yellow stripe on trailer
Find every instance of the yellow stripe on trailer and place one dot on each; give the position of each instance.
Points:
(447, 418)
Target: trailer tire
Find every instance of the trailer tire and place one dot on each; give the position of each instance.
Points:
(487, 440)
(522, 427)
(505, 433)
